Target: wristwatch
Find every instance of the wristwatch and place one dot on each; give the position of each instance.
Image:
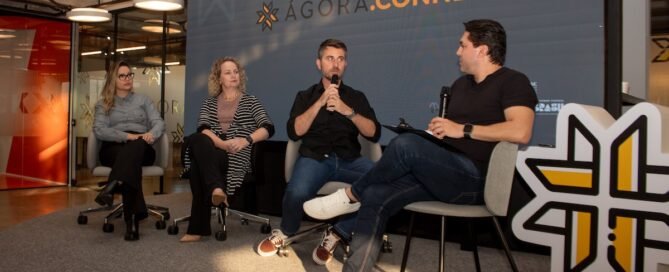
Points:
(249, 139)
(468, 130)
(350, 116)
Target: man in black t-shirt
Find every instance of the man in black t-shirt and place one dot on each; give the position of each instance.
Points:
(327, 118)
(489, 104)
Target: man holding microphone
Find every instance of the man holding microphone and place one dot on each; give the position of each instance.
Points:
(327, 117)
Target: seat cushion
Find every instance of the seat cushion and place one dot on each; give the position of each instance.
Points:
(445, 209)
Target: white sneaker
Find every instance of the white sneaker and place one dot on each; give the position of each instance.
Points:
(330, 206)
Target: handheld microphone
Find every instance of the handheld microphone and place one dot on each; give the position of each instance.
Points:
(335, 79)
(444, 96)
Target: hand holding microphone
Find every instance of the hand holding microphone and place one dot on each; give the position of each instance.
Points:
(332, 97)
(439, 125)
(443, 101)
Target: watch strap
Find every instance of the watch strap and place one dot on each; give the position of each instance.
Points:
(467, 130)
(353, 114)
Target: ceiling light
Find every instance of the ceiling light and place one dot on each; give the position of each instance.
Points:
(156, 26)
(90, 15)
(131, 48)
(91, 53)
(161, 5)
(172, 63)
(6, 33)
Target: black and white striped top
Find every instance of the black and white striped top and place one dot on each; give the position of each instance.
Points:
(250, 116)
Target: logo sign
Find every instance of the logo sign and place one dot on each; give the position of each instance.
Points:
(663, 43)
(298, 10)
(267, 16)
(602, 194)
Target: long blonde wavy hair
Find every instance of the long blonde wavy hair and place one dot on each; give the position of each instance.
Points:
(109, 90)
(215, 75)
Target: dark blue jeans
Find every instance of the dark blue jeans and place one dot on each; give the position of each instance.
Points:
(411, 169)
(309, 175)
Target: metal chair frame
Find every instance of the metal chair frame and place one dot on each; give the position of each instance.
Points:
(497, 193)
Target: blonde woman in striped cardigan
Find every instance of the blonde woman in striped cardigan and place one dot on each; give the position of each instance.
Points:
(218, 155)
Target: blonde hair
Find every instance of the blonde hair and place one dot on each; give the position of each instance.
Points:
(214, 83)
(109, 90)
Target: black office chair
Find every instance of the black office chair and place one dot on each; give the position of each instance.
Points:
(221, 212)
(156, 170)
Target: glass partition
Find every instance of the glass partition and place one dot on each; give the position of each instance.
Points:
(35, 61)
(136, 37)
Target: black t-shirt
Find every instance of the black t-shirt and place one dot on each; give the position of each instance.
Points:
(331, 131)
(484, 104)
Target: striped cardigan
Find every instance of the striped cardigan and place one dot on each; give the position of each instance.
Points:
(250, 116)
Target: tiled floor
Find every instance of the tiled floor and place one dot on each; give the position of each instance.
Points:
(20, 205)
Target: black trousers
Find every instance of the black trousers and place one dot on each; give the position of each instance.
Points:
(126, 160)
(208, 171)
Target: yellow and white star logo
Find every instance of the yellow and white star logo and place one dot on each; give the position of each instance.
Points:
(602, 194)
(267, 16)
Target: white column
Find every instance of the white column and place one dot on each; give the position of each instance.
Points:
(636, 41)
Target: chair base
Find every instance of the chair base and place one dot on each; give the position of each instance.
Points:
(162, 213)
(283, 250)
(221, 214)
(407, 245)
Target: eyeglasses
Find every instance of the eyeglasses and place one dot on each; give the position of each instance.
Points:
(127, 76)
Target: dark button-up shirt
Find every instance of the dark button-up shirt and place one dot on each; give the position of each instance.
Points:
(331, 132)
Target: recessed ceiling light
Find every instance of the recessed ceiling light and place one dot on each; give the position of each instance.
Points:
(7, 33)
(161, 5)
(90, 15)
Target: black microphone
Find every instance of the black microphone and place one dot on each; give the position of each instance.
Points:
(443, 96)
(335, 79)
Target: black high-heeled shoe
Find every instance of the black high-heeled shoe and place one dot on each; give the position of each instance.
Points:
(132, 229)
(106, 196)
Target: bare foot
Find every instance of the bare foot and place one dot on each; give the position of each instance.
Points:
(190, 238)
(218, 197)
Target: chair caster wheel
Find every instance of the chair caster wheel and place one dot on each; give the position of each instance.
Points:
(108, 227)
(265, 228)
(160, 224)
(82, 220)
(387, 247)
(283, 252)
(347, 252)
(221, 235)
(173, 230)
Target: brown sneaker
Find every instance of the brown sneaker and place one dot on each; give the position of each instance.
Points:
(270, 245)
(323, 252)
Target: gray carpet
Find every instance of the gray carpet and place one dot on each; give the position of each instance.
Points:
(55, 242)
